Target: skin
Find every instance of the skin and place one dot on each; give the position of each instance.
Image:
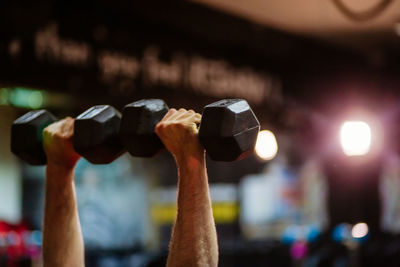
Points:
(194, 238)
(62, 236)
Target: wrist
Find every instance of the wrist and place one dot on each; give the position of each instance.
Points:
(64, 163)
(190, 159)
(61, 167)
(59, 173)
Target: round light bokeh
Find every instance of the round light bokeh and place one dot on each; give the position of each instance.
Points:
(359, 230)
(266, 145)
(355, 138)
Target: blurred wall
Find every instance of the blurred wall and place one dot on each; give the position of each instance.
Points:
(10, 180)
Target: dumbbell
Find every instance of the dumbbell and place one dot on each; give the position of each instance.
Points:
(26, 136)
(95, 135)
(228, 129)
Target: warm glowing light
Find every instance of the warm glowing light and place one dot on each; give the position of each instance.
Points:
(359, 230)
(355, 137)
(266, 145)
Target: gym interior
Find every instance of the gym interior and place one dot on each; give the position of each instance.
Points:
(322, 187)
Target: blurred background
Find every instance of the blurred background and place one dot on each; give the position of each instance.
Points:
(323, 78)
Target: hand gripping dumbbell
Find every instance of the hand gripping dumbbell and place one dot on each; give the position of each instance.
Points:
(228, 129)
(95, 135)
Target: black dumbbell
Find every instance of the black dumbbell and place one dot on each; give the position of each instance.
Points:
(137, 127)
(228, 128)
(26, 136)
(95, 135)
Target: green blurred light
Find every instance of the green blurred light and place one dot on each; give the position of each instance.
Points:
(22, 97)
(19, 97)
(4, 95)
(35, 99)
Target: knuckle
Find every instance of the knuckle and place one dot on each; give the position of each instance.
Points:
(159, 126)
(170, 111)
(46, 130)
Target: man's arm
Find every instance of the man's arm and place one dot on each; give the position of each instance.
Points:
(62, 237)
(194, 238)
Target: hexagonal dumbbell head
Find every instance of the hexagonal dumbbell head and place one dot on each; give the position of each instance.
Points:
(96, 134)
(26, 136)
(228, 129)
(137, 127)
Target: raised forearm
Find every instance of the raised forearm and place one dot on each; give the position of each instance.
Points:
(62, 237)
(194, 239)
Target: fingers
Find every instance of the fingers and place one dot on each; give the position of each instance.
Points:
(68, 127)
(177, 115)
(63, 128)
(179, 119)
(197, 118)
(170, 112)
(182, 115)
(190, 117)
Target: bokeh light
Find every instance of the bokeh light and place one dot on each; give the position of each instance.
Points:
(35, 99)
(359, 230)
(355, 138)
(266, 145)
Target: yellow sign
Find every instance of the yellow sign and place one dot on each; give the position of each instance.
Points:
(224, 212)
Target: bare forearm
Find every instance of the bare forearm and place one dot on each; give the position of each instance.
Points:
(62, 237)
(194, 239)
